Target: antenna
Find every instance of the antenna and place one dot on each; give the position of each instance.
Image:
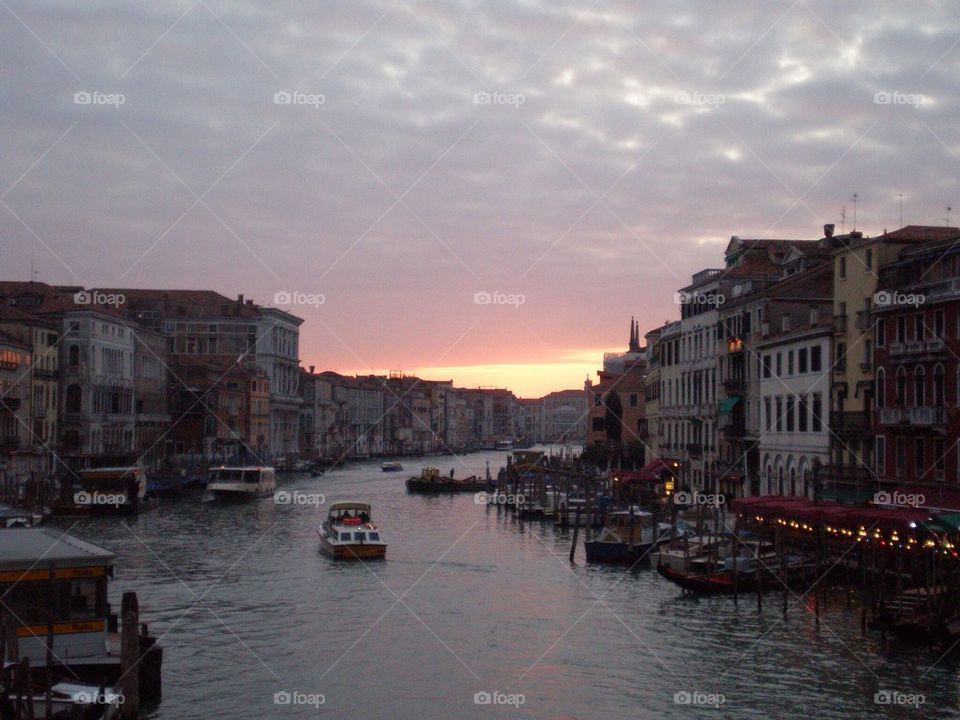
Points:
(843, 220)
(855, 197)
(901, 209)
(947, 218)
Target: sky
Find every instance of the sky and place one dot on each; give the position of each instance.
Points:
(477, 191)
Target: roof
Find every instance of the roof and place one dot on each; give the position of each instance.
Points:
(919, 234)
(350, 505)
(33, 548)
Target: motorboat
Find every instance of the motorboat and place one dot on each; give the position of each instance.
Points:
(348, 533)
(237, 483)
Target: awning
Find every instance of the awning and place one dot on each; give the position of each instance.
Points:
(729, 403)
(648, 473)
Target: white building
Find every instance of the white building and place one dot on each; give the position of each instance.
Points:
(277, 351)
(794, 397)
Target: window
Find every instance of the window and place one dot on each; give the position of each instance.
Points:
(633, 399)
(901, 455)
(766, 366)
(815, 358)
(939, 386)
(779, 364)
(881, 388)
(790, 402)
(939, 322)
(919, 386)
(939, 462)
(790, 362)
(918, 326)
(881, 333)
(843, 267)
(74, 356)
(766, 410)
(779, 414)
(869, 259)
(880, 446)
(802, 360)
(802, 414)
(598, 424)
(841, 357)
(918, 457)
(901, 386)
(901, 329)
(817, 422)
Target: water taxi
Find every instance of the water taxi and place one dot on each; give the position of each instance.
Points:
(106, 490)
(237, 483)
(504, 445)
(628, 537)
(431, 481)
(349, 533)
(391, 467)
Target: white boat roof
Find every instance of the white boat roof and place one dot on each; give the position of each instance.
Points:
(118, 468)
(243, 467)
(29, 548)
(350, 505)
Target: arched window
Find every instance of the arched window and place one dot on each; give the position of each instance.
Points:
(793, 481)
(780, 480)
(73, 356)
(919, 386)
(939, 386)
(901, 386)
(74, 399)
(769, 480)
(881, 387)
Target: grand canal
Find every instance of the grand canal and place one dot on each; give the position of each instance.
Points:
(470, 600)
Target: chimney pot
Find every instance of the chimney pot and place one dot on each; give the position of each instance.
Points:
(828, 229)
(240, 299)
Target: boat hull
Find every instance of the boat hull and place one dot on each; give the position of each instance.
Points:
(365, 551)
(617, 553)
(415, 485)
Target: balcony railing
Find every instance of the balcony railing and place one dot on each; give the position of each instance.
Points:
(849, 423)
(923, 416)
(11, 404)
(840, 323)
(733, 386)
(864, 320)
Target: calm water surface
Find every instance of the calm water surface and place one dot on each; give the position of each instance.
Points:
(470, 600)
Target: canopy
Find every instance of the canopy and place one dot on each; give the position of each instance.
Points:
(729, 403)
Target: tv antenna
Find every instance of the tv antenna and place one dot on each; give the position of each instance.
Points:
(947, 218)
(855, 197)
(843, 220)
(901, 209)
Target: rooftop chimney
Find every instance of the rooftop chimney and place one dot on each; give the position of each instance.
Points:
(240, 299)
(828, 230)
(312, 368)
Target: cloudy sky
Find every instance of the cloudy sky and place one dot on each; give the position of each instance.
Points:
(571, 162)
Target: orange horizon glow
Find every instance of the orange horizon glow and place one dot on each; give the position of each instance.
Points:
(526, 379)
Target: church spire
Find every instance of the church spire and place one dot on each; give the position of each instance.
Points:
(634, 336)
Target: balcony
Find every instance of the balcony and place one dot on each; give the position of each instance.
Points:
(695, 451)
(734, 386)
(897, 348)
(840, 324)
(850, 423)
(11, 404)
(734, 345)
(733, 430)
(923, 416)
(936, 346)
(864, 320)
(915, 346)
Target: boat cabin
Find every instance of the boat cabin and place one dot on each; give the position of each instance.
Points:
(112, 489)
(43, 573)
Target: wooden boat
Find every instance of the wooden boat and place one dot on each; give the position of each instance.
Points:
(348, 533)
(240, 483)
(628, 537)
(431, 481)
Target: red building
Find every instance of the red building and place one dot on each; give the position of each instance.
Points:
(917, 360)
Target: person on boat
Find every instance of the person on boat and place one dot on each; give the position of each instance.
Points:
(451, 473)
(364, 518)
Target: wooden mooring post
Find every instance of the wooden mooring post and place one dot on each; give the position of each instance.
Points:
(130, 655)
(576, 533)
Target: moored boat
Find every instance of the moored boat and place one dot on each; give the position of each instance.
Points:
(391, 467)
(348, 533)
(238, 483)
(431, 481)
(628, 537)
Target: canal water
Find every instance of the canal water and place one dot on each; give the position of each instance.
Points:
(468, 601)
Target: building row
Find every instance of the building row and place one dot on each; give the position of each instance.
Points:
(92, 377)
(826, 366)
